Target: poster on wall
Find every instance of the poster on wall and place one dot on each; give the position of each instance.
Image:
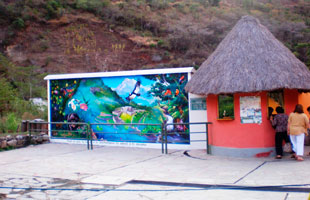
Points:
(250, 110)
(108, 102)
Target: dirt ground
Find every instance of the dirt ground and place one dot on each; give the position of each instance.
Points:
(83, 43)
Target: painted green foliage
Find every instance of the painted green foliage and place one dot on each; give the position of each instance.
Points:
(61, 92)
(142, 99)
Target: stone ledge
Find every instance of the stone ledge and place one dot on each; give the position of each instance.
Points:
(18, 141)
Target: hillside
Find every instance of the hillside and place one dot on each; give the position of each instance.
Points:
(39, 37)
(66, 36)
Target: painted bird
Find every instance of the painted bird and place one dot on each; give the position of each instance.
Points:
(135, 92)
(177, 92)
(168, 92)
(181, 79)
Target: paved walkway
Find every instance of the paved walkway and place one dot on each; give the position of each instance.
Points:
(64, 171)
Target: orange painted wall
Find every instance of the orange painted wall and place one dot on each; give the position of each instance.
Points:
(304, 100)
(231, 133)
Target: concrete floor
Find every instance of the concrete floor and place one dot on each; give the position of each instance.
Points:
(67, 171)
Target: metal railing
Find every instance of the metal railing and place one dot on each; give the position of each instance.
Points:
(61, 127)
(190, 133)
(133, 126)
(160, 133)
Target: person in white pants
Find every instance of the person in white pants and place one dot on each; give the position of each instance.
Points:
(298, 123)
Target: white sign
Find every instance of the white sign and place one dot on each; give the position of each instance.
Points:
(250, 110)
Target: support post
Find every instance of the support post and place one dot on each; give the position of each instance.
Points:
(91, 137)
(87, 136)
(162, 138)
(29, 131)
(166, 140)
(207, 139)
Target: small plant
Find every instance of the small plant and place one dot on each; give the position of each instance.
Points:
(19, 23)
(214, 2)
(3, 126)
(94, 6)
(247, 4)
(181, 8)
(160, 43)
(194, 7)
(44, 45)
(158, 4)
(152, 45)
(53, 8)
(166, 54)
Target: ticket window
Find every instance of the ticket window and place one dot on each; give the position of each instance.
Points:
(274, 99)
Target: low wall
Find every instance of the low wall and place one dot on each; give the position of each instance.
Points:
(17, 141)
(242, 152)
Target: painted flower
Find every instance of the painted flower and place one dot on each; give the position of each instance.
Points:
(72, 104)
(84, 106)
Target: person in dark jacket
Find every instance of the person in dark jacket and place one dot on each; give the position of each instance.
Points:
(279, 122)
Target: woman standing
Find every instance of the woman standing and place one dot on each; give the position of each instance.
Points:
(279, 122)
(298, 123)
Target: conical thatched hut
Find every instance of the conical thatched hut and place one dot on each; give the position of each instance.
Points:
(249, 59)
(257, 71)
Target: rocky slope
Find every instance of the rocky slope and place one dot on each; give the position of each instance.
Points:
(64, 37)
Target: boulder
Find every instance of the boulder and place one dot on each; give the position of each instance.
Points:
(3, 144)
(19, 137)
(9, 137)
(12, 143)
(39, 139)
(19, 143)
(46, 138)
(34, 140)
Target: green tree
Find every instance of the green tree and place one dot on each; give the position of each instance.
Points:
(169, 88)
(7, 96)
(27, 80)
(18, 84)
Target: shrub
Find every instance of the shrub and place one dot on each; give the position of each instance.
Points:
(12, 122)
(204, 3)
(3, 11)
(18, 23)
(7, 95)
(263, 7)
(247, 4)
(44, 45)
(158, 4)
(181, 42)
(3, 128)
(53, 8)
(9, 123)
(181, 8)
(194, 7)
(94, 6)
(214, 2)
(160, 43)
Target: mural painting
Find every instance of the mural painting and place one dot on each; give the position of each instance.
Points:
(107, 103)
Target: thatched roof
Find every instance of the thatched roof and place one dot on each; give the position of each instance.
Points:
(249, 59)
